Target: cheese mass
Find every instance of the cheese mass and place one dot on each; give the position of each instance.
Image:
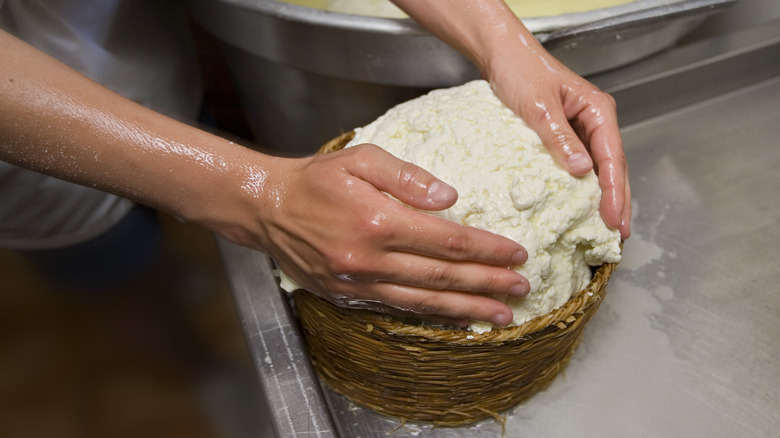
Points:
(507, 183)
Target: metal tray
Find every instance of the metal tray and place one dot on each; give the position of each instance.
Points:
(624, 34)
(686, 342)
(318, 41)
(306, 75)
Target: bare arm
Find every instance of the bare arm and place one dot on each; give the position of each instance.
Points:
(576, 121)
(325, 219)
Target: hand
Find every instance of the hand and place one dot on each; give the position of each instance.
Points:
(338, 235)
(575, 120)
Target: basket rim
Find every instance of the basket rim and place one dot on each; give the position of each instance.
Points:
(559, 318)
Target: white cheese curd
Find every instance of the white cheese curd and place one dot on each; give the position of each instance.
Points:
(507, 183)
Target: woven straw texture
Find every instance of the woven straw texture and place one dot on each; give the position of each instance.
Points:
(448, 377)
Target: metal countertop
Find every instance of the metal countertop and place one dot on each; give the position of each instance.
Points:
(687, 342)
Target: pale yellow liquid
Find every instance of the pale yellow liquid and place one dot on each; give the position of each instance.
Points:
(543, 8)
(522, 8)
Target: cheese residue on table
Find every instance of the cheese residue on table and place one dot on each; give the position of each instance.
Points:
(508, 184)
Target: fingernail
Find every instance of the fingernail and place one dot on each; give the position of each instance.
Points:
(501, 320)
(625, 230)
(519, 290)
(519, 257)
(440, 192)
(579, 161)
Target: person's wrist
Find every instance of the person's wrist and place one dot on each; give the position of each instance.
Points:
(228, 195)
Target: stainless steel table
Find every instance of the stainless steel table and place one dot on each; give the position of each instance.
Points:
(687, 342)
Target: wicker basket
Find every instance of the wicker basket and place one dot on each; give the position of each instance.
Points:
(447, 377)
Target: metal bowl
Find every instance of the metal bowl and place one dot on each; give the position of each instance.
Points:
(305, 75)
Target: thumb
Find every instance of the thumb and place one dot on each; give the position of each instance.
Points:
(407, 182)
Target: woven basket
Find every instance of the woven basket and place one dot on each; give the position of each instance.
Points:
(447, 377)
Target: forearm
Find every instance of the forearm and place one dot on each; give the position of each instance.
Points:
(60, 123)
(480, 29)
(326, 220)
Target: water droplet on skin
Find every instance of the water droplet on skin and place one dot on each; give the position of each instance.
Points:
(254, 182)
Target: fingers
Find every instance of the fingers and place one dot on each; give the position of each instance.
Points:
(610, 160)
(405, 181)
(596, 144)
(625, 220)
(552, 125)
(405, 230)
(444, 239)
(437, 274)
(451, 305)
(437, 287)
(596, 117)
(454, 308)
(432, 319)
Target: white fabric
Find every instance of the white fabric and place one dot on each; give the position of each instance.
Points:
(138, 48)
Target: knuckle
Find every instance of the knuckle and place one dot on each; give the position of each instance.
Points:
(440, 277)
(564, 138)
(345, 263)
(363, 149)
(409, 176)
(535, 113)
(492, 282)
(606, 98)
(362, 154)
(373, 226)
(457, 245)
(428, 304)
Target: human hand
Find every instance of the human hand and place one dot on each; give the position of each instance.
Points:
(575, 120)
(336, 233)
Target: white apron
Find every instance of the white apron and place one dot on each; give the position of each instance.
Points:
(142, 50)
